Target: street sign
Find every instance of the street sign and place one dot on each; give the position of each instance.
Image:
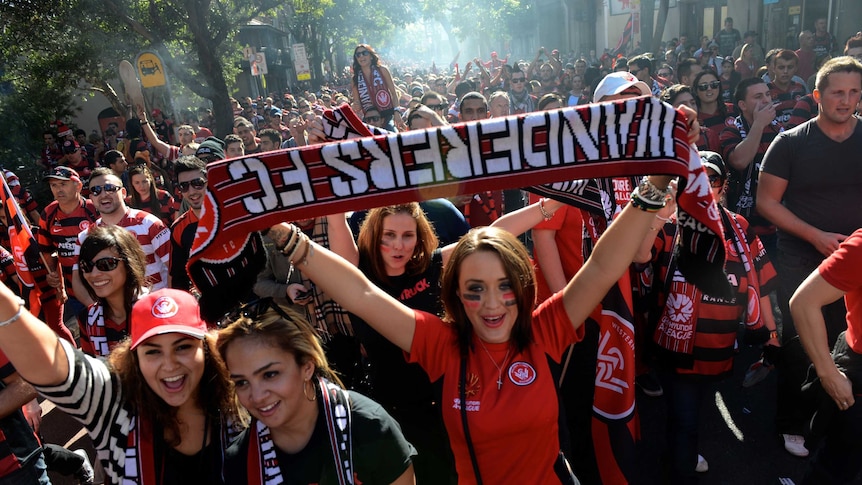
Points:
(300, 63)
(150, 70)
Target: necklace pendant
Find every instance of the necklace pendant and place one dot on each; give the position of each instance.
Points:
(499, 383)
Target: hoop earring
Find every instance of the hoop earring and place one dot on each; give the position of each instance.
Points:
(305, 392)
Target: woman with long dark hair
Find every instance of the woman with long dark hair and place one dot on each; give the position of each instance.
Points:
(113, 270)
(372, 86)
(145, 195)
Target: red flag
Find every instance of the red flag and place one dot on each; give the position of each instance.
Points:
(626, 37)
(24, 248)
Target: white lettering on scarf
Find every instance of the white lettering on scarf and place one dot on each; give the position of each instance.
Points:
(445, 155)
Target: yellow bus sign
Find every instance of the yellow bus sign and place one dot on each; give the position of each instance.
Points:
(150, 70)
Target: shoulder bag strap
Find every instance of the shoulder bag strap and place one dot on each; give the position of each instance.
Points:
(462, 391)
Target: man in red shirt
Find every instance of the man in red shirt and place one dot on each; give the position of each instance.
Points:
(839, 373)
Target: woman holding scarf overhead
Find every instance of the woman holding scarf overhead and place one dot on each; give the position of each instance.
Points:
(156, 410)
(372, 86)
(492, 351)
(695, 333)
(307, 429)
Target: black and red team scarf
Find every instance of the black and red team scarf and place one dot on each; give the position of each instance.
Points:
(263, 467)
(622, 138)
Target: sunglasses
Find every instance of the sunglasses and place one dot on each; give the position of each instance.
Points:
(109, 188)
(707, 86)
(715, 181)
(664, 74)
(254, 310)
(435, 107)
(198, 184)
(62, 172)
(518, 79)
(371, 119)
(104, 264)
(362, 53)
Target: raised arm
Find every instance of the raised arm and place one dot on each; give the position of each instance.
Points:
(160, 146)
(519, 221)
(31, 346)
(341, 240)
(347, 286)
(611, 257)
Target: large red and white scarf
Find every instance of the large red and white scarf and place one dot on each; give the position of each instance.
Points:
(622, 138)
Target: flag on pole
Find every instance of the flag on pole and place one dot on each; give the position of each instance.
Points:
(24, 248)
(620, 49)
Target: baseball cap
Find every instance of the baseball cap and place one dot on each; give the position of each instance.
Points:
(713, 161)
(617, 82)
(166, 311)
(211, 146)
(70, 146)
(157, 112)
(62, 173)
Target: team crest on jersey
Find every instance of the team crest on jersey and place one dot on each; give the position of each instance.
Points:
(522, 373)
(729, 121)
(84, 225)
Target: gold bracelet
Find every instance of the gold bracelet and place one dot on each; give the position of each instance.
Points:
(17, 314)
(545, 214)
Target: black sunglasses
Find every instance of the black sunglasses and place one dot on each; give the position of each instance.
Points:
(109, 188)
(254, 310)
(197, 183)
(435, 107)
(362, 53)
(108, 263)
(710, 85)
(715, 181)
(518, 80)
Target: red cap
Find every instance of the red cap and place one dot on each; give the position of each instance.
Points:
(166, 311)
(157, 112)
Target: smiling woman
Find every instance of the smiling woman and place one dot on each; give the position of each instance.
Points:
(151, 420)
(112, 267)
(493, 352)
(306, 425)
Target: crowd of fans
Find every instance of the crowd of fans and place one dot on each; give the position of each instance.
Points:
(126, 207)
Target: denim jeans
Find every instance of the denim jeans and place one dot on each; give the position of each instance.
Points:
(684, 395)
(793, 410)
(838, 460)
(33, 473)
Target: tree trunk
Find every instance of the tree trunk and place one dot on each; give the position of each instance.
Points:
(659, 27)
(647, 14)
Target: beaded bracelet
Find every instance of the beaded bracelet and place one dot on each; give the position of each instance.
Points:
(17, 314)
(292, 240)
(650, 193)
(545, 214)
(645, 205)
(305, 247)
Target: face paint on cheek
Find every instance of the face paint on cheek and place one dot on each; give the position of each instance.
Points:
(385, 248)
(509, 298)
(471, 300)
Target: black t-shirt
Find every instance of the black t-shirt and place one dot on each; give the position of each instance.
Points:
(180, 469)
(824, 181)
(380, 452)
(396, 382)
